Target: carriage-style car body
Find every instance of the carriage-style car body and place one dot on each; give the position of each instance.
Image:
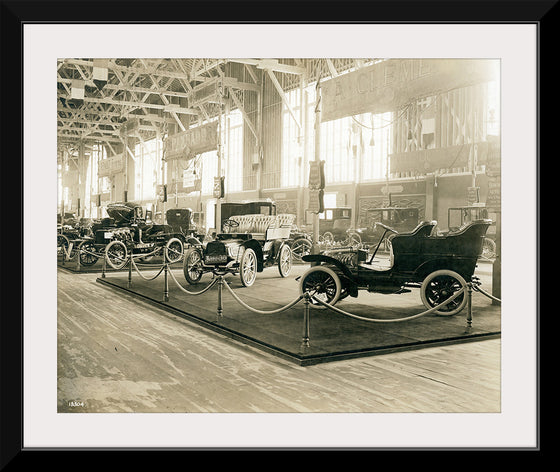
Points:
(248, 244)
(439, 265)
(127, 231)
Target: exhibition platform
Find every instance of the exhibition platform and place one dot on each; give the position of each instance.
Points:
(258, 317)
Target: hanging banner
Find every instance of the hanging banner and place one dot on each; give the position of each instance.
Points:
(390, 84)
(192, 141)
(111, 165)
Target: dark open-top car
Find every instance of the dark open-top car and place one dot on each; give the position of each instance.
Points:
(438, 265)
(127, 231)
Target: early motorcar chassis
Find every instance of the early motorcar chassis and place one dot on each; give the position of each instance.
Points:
(127, 232)
(248, 245)
(439, 265)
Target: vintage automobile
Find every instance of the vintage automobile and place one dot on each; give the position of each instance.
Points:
(438, 265)
(127, 231)
(181, 221)
(335, 227)
(248, 244)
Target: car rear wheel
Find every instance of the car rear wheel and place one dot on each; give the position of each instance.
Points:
(285, 260)
(192, 265)
(248, 267)
(301, 247)
(116, 254)
(441, 285)
(322, 283)
(173, 250)
(62, 243)
(87, 253)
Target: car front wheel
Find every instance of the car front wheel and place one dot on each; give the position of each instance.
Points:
(173, 250)
(116, 254)
(285, 261)
(322, 283)
(248, 267)
(192, 266)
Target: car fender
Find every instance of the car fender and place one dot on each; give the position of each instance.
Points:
(255, 246)
(322, 258)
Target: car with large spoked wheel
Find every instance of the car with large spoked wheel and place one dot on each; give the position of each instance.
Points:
(126, 232)
(439, 265)
(246, 246)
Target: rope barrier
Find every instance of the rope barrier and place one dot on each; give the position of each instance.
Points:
(478, 289)
(208, 287)
(262, 312)
(67, 254)
(146, 278)
(377, 320)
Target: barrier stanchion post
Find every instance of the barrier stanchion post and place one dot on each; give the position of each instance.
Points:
(63, 254)
(469, 307)
(103, 266)
(220, 286)
(78, 258)
(165, 283)
(305, 338)
(130, 271)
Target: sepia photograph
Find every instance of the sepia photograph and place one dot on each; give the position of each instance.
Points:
(259, 241)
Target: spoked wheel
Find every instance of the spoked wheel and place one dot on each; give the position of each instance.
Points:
(116, 254)
(248, 267)
(322, 283)
(439, 286)
(328, 237)
(285, 260)
(173, 250)
(62, 243)
(88, 252)
(192, 265)
(301, 247)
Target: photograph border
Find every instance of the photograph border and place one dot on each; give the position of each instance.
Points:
(17, 14)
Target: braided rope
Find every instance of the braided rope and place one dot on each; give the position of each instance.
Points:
(262, 312)
(208, 287)
(377, 320)
(478, 289)
(146, 278)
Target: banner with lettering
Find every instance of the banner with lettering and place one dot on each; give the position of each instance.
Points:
(390, 84)
(192, 141)
(111, 165)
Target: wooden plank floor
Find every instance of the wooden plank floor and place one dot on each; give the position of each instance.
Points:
(119, 354)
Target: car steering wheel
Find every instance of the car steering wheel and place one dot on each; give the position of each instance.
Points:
(388, 228)
(230, 223)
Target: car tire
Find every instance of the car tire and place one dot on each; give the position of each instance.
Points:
(285, 260)
(248, 267)
(300, 247)
(438, 287)
(116, 254)
(192, 259)
(173, 251)
(323, 283)
(87, 258)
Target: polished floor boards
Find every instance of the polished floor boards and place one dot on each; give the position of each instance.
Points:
(119, 354)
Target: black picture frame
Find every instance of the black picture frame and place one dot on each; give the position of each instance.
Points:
(15, 14)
